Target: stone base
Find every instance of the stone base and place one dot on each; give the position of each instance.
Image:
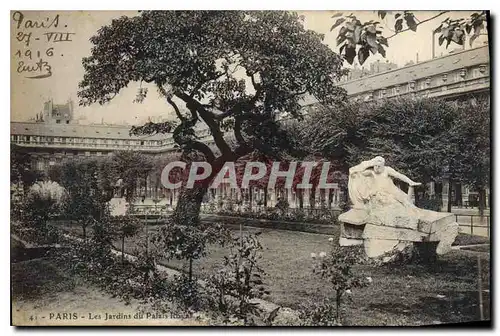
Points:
(351, 231)
(391, 233)
(435, 233)
(350, 242)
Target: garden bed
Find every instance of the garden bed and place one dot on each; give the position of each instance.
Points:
(445, 291)
(329, 229)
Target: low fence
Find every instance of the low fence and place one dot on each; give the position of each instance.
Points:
(475, 224)
(258, 209)
(471, 224)
(152, 212)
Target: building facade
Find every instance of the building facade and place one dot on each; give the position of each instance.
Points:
(455, 75)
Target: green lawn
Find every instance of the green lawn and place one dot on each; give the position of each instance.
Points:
(467, 239)
(399, 295)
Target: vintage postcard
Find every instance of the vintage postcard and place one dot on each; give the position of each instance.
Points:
(250, 168)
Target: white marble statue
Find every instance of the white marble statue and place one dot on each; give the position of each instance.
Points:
(372, 179)
(385, 217)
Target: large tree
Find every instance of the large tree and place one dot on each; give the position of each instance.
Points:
(233, 71)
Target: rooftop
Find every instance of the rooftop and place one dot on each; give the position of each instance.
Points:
(399, 76)
(79, 131)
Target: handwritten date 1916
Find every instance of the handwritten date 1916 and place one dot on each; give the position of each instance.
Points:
(40, 69)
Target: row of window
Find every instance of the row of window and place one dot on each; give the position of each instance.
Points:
(429, 82)
(44, 163)
(67, 140)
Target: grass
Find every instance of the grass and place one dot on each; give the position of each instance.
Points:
(445, 291)
(467, 239)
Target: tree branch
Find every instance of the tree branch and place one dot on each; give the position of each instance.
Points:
(418, 24)
(204, 149)
(237, 131)
(256, 86)
(200, 85)
(208, 119)
(171, 102)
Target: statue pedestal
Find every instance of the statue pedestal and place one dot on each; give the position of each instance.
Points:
(435, 229)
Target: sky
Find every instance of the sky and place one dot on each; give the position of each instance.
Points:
(28, 95)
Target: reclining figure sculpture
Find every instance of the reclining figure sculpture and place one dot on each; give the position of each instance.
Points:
(383, 217)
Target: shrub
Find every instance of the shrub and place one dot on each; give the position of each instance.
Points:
(434, 204)
(282, 205)
(185, 291)
(239, 281)
(323, 313)
(126, 226)
(336, 269)
(43, 201)
(188, 241)
(93, 261)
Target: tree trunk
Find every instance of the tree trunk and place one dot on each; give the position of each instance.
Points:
(187, 211)
(312, 198)
(338, 302)
(417, 196)
(123, 249)
(250, 198)
(190, 269)
(84, 228)
(265, 197)
(458, 194)
(438, 190)
(300, 195)
(482, 201)
(450, 186)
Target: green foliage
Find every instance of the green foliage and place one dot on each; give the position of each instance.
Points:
(43, 201)
(131, 167)
(365, 38)
(425, 138)
(186, 293)
(434, 204)
(239, 281)
(326, 216)
(178, 241)
(94, 261)
(335, 268)
(322, 313)
(20, 168)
